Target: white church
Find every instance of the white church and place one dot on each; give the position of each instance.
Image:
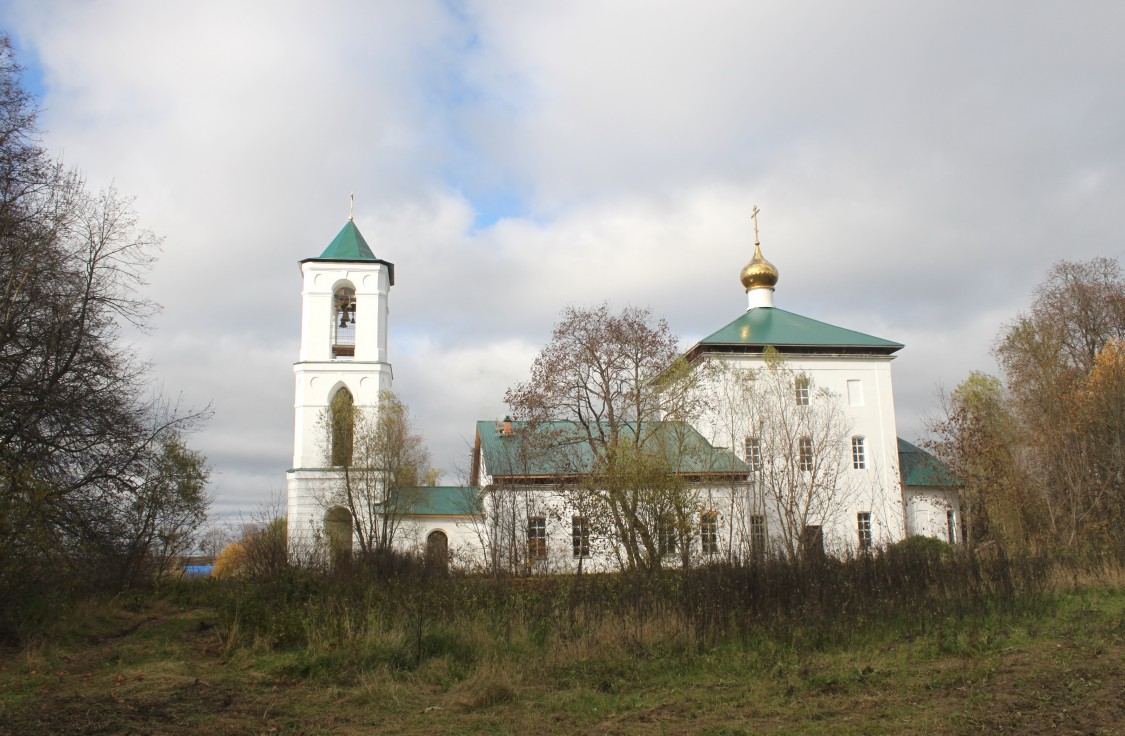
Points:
(798, 451)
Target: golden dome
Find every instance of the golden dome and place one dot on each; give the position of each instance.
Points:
(758, 273)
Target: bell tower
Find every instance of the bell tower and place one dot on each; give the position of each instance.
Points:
(343, 358)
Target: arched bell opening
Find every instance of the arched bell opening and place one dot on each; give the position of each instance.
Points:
(338, 531)
(343, 323)
(341, 417)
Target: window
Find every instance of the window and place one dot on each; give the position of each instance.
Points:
(754, 453)
(666, 537)
(802, 388)
(804, 454)
(343, 323)
(580, 536)
(950, 528)
(341, 414)
(709, 533)
(536, 538)
(859, 459)
(864, 530)
(758, 534)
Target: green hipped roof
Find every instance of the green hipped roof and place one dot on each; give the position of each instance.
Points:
(919, 468)
(764, 326)
(562, 449)
(440, 501)
(348, 245)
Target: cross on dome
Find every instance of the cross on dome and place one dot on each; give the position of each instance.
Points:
(758, 273)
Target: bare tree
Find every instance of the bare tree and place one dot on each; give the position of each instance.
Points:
(382, 462)
(83, 452)
(795, 438)
(603, 403)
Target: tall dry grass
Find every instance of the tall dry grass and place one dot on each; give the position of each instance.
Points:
(399, 615)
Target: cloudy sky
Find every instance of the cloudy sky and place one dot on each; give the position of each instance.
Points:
(918, 170)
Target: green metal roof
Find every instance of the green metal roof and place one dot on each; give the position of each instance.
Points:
(771, 326)
(561, 448)
(348, 245)
(919, 468)
(441, 501)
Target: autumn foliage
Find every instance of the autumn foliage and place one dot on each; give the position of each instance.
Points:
(1040, 452)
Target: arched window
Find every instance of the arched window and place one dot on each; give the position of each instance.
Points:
(343, 323)
(341, 417)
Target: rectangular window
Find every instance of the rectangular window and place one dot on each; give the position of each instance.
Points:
(666, 538)
(855, 393)
(864, 530)
(950, 530)
(758, 534)
(536, 538)
(802, 388)
(859, 458)
(709, 533)
(754, 454)
(580, 536)
(804, 454)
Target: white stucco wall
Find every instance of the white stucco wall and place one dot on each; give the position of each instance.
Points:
(318, 376)
(927, 512)
(869, 412)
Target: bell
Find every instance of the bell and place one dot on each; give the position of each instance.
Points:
(344, 317)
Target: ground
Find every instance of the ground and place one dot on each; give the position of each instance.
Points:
(154, 666)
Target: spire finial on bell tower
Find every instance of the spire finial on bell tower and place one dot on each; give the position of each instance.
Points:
(351, 210)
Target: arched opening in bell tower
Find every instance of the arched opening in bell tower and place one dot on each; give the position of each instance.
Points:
(343, 323)
(341, 418)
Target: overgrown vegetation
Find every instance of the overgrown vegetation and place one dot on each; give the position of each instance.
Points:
(849, 646)
(398, 610)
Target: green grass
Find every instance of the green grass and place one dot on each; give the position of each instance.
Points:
(169, 664)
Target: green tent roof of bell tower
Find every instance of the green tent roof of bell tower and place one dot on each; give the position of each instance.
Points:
(348, 245)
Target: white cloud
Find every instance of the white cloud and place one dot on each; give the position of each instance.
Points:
(919, 168)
